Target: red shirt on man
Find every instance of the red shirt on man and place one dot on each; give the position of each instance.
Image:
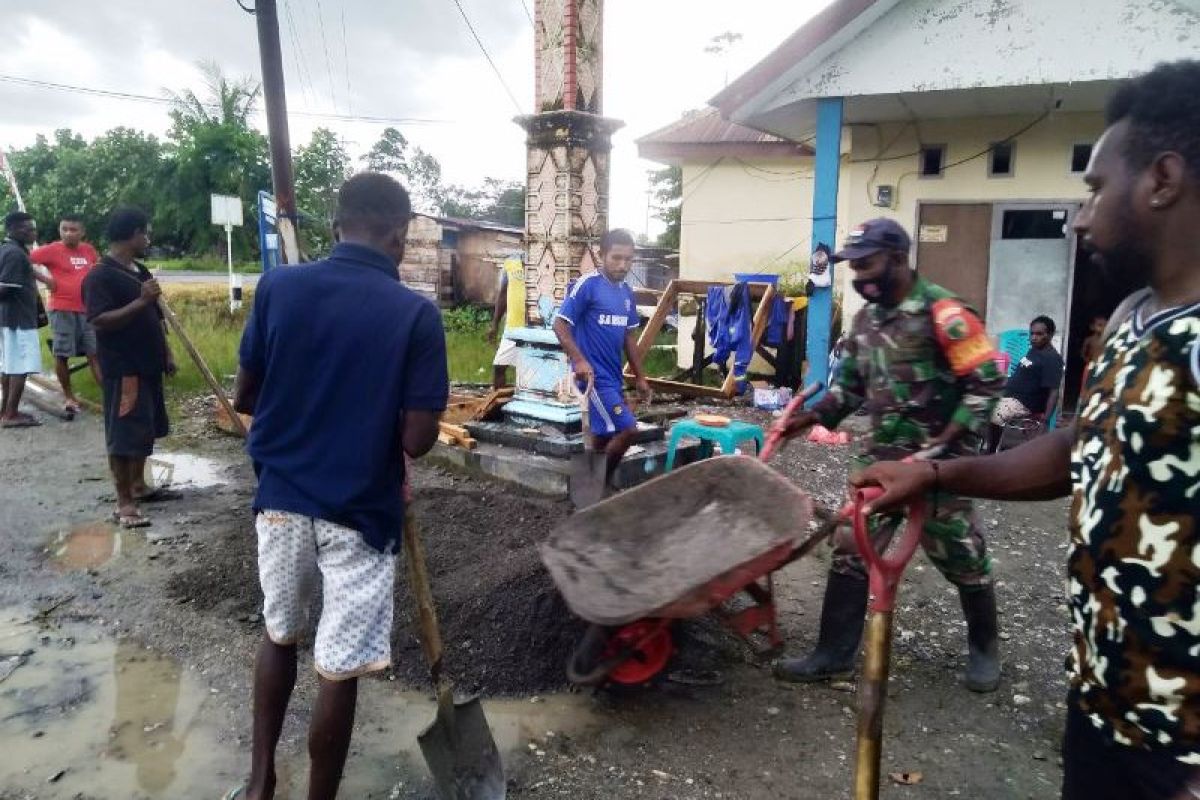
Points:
(68, 266)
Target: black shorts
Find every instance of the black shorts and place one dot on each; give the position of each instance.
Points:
(1097, 768)
(135, 414)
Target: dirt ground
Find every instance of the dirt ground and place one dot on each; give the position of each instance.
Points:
(125, 658)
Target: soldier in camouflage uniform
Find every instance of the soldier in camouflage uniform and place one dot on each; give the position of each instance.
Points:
(1131, 464)
(920, 363)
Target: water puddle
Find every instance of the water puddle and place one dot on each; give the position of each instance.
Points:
(86, 715)
(87, 546)
(183, 469)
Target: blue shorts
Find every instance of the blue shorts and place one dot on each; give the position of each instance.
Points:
(608, 412)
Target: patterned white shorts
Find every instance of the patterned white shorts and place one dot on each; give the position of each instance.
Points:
(354, 632)
(1008, 410)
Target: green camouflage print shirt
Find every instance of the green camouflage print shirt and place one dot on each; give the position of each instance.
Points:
(915, 368)
(1134, 567)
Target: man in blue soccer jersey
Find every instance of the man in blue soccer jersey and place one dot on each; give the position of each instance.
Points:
(596, 322)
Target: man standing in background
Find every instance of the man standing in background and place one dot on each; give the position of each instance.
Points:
(69, 261)
(121, 297)
(510, 295)
(19, 347)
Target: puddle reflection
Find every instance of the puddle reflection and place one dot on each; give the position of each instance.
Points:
(86, 546)
(184, 469)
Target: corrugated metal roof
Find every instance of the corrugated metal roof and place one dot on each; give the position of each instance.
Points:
(707, 127)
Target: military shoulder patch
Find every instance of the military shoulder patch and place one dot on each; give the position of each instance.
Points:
(961, 336)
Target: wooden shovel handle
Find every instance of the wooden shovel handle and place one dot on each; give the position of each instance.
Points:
(418, 581)
(209, 378)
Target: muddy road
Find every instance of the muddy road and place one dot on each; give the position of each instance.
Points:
(125, 657)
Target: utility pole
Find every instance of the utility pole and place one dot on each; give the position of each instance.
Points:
(282, 181)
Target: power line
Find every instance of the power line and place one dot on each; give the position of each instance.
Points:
(525, 6)
(488, 56)
(328, 60)
(166, 101)
(346, 64)
(298, 59)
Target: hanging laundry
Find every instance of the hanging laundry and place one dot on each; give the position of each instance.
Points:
(728, 317)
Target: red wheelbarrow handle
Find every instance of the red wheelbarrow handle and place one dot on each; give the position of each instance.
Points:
(775, 436)
(885, 571)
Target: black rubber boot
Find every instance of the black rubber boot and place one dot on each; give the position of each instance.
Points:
(983, 659)
(842, 616)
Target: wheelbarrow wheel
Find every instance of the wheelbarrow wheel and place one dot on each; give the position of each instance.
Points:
(630, 655)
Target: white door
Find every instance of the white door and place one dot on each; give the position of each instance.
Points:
(1031, 266)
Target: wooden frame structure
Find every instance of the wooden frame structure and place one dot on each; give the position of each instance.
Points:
(763, 293)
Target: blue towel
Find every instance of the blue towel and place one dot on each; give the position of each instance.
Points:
(777, 326)
(728, 317)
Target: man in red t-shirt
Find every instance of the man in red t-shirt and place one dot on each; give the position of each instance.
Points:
(68, 261)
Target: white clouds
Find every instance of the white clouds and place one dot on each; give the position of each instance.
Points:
(406, 58)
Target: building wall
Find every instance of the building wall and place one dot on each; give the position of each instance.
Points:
(480, 254)
(421, 268)
(1041, 168)
(745, 215)
(739, 215)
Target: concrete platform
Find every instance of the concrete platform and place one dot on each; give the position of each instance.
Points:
(547, 440)
(552, 476)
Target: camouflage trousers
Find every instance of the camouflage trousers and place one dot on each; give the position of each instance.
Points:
(951, 538)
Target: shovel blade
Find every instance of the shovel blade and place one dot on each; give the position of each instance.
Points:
(462, 756)
(587, 479)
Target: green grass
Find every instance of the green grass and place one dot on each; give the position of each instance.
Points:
(204, 313)
(203, 264)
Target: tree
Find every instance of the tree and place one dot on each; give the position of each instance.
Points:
(497, 200)
(418, 170)
(225, 103)
(390, 154)
(322, 166)
(214, 151)
(666, 186)
(70, 176)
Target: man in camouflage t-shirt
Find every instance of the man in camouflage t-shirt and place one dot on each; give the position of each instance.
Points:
(1131, 465)
(921, 365)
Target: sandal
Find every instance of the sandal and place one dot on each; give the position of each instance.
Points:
(236, 793)
(158, 494)
(130, 521)
(20, 421)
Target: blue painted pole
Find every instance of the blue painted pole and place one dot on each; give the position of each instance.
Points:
(825, 195)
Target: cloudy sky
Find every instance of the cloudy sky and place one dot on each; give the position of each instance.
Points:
(398, 59)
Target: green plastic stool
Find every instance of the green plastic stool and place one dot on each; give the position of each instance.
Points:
(728, 437)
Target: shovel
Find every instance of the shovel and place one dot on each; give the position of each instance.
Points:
(589, 468)
(458, 745)
(884, 573)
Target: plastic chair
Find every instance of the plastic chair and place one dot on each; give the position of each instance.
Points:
(728, 437)
(1015, 344)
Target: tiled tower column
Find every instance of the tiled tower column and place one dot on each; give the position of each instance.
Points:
(569, 146)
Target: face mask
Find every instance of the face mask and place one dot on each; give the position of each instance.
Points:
(875, 290)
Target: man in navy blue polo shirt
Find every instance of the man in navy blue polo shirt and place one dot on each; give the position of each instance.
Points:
(597, 326)
(344, 370)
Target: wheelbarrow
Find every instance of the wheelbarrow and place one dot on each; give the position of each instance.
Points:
(676, 547)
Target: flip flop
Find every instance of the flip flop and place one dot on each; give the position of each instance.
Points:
(158, 494)
(236, 793)
(20, 421)
(130, 521)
